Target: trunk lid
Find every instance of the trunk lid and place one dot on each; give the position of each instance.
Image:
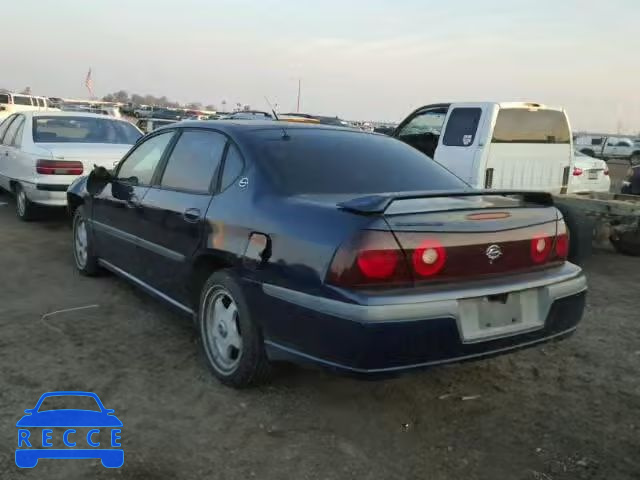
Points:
(469, 235)
(90, 154)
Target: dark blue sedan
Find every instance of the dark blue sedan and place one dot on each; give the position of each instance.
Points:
(317, 244)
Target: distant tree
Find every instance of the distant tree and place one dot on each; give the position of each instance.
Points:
(26, 91)
(211, 107)
(194, 106)
(137, 99)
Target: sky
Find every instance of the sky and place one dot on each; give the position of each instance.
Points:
(365, 60)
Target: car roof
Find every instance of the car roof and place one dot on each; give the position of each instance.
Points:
(50, 113)
(237, 126)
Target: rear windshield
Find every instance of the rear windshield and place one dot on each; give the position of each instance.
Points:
(520, 125)
(83, 130)
(336, 161)
(18, 100)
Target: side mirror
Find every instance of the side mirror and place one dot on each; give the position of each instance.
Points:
(97, 180)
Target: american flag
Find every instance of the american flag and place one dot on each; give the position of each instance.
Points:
(88, 82)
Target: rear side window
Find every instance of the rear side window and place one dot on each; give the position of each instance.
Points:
(194, 161)
(233, 165)
(40, 102)
(12, 130)
(596, 141)
(4, 98)
(16, 141)
(5, 125)
(314, 161)
(461, 127)
(20, 100)
(521, 125)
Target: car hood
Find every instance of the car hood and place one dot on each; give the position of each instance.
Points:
(69, 418)
(102, 154)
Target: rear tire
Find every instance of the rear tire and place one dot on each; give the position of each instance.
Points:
(231, 340)
(581, 230)
(83, 249)
(25, 209)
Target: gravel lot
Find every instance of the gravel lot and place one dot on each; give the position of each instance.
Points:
(568, 410)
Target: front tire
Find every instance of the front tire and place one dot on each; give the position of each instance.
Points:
(25, 209)
(231, 340)
(83, 249)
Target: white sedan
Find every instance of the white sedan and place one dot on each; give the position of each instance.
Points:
(42, 153)
(589, 175)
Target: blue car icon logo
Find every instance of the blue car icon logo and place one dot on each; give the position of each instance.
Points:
(90, 432)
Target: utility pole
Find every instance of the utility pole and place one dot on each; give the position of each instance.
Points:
(299, 86)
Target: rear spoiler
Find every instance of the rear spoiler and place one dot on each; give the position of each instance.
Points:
(378, 203)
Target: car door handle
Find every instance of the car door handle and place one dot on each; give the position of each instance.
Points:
(191, 215)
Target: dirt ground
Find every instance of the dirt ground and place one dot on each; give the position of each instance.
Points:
(568, 410)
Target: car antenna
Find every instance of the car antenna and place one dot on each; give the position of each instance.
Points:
(285, 135)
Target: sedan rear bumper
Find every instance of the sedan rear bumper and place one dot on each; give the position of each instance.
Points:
(52, 195)
(377, 334)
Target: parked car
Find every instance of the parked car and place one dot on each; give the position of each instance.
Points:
(608, 148)
(283, 243)
(14, 102)
(41, 153)
(248, 115)
(148, 125)
(589, 175)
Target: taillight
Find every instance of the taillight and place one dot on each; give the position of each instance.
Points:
(59, 167)
(372, 258)
(562, 246)
(429, 258)
(540, 248)
(577, 171)
(606, 170)
(562, 241)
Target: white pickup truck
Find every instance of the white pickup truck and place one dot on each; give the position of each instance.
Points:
(495, 145)
(608, 148)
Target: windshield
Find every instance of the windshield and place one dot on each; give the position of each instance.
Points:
(65, 402)
(338, 161)
(64, 129)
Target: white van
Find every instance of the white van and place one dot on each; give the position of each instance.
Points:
(506, 145)
(17, 102)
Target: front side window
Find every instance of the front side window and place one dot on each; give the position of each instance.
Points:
(64, 129)
(430, 121)
(461, 127)
(138, 168)
(194, 161)
(523, 125)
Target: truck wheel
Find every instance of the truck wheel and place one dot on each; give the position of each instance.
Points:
(581, 230)
(231, 340)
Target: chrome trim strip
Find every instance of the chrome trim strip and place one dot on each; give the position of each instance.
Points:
(329, 363)
(429, 305)
(141, 242)
(145, 286)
